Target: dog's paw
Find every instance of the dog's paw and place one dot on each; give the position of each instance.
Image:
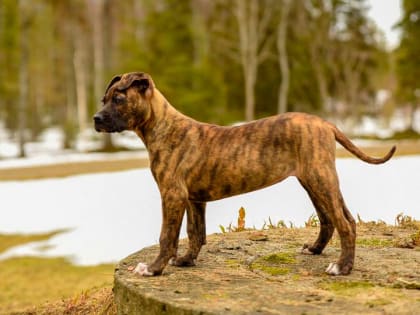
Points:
(182, 261)
(142, 270)
(333, 269)
(305, 250)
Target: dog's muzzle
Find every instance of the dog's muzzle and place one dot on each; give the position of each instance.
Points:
(104, 123)
(99, 121)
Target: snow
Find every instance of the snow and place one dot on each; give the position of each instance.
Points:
(48, 148)
(114, 214)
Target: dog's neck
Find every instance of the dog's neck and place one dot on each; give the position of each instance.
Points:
(163, 117)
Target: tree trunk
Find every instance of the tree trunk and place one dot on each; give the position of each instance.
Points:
(68, 113)
(283, 57)
(200, 11)
(99, 20)
(23, 75)
(253, 19)
(246, 13)
(98, 49)
(79, 62)
(250, 96)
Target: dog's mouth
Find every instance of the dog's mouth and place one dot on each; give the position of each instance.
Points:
(104, 122)
(100, 127)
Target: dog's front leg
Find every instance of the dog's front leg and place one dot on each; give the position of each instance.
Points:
(173, 208)
(196, 228)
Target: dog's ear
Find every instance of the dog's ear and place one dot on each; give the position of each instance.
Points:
(113, 81)
(143, 85)
(141, 81)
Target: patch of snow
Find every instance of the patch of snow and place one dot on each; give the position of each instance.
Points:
(48, 148)
(372, 126)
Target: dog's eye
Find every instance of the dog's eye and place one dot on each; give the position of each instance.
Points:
(118, 99)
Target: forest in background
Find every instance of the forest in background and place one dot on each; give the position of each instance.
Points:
(220, 61)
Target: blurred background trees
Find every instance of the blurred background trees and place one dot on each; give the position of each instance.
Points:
(408, 58)
(219, 61)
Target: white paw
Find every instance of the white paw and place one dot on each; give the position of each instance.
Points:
(172, 261)
(141, 269)
(333, 269)
(306, 251)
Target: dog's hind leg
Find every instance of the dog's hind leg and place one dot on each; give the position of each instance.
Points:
(326, 229)
(196, 229)
(322, 183)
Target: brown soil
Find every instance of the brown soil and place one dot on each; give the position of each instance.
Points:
(264, 273)
(69, 169)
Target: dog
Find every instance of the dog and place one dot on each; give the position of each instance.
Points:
(194, 162)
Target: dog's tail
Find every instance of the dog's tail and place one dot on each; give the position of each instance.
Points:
(351, 147)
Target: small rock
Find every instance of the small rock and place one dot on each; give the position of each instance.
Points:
(405, 243)
(250, 260)
(258, 237)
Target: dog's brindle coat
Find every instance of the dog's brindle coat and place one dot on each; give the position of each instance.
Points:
(194, 162)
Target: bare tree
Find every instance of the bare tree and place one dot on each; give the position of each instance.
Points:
(283, 57)
(201, 11)
(97, 9)
(23, 73)
(80, 74)
(100, 20)
(253, 18)
(319, 28)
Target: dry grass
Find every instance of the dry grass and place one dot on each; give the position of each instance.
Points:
(29, 281)
(95, 302)
(69, 169)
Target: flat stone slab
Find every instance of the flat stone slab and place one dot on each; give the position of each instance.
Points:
(263, 272)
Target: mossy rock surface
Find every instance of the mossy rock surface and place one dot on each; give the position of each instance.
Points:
(236, 275)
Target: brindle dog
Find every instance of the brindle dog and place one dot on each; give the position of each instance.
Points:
(194, 162)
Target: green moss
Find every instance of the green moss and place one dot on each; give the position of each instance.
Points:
(373, 242)
(296, 277)
(232, 263)
(280, 258)
(274, 264)
(271, 270)
(216, 296)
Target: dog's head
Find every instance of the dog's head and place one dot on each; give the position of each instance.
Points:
(126, 104)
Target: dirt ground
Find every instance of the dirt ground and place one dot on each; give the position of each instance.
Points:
(263, 272)
(70, 169)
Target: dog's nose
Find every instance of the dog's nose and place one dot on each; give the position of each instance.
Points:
(97, 118)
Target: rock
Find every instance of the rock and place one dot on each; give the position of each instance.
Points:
(236, 276)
